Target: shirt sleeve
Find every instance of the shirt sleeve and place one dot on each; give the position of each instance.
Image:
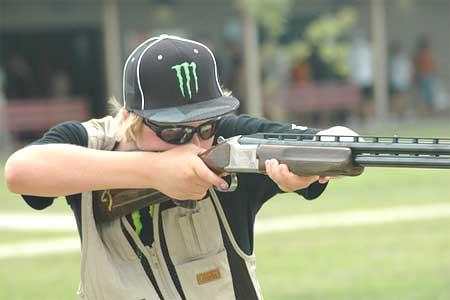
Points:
(244, 124)
(71, 132)
(265, 188)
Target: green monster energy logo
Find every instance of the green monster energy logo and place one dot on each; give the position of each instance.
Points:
(186, 68)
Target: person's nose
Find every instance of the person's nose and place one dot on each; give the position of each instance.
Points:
(196, 140)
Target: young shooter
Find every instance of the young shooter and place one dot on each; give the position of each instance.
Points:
(174, 109)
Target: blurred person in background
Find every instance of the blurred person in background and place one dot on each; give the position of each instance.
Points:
(361, 72)
(5, 136)
(20, 81)
(301, 73)
(173, 109)
(234, 78)
(400, 79)
(60, 85)
(425, 74)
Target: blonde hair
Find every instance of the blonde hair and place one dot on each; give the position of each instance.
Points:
(128, 128)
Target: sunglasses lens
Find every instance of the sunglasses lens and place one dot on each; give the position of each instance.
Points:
(176, 135)
(183, 134)
(207, 130)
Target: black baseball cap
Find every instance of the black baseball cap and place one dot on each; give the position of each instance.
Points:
(169, 79)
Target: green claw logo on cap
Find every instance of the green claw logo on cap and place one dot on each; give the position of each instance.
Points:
(186, 67)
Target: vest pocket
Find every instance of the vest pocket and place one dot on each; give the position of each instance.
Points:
(207, 278)
(192, 234)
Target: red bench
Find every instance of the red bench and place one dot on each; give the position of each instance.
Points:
(320, 104)
(325, 97)
(30, 117)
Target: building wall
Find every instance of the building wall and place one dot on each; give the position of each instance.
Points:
(202, 20)
(48, 14)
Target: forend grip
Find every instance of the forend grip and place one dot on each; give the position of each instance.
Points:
(310, 160)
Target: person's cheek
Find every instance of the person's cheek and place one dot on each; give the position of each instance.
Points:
(206, 144)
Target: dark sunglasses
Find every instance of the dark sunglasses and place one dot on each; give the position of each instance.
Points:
(182, 134)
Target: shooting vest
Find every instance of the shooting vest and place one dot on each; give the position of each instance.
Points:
(194, 254)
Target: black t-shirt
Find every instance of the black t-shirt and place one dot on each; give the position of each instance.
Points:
(240, 207)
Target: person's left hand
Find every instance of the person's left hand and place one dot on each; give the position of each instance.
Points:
(288, 181)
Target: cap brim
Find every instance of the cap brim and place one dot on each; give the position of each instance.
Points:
(192, 112)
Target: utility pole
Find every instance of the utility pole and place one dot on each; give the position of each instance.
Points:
(111, 41)
(252, 67)
(378, 27)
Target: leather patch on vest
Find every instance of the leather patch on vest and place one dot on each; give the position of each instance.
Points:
(209, 276)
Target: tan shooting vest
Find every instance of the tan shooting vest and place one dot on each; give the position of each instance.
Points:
(197, 245)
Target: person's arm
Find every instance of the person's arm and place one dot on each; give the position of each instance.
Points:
(59, 168)
(244, 124)
(63, 169)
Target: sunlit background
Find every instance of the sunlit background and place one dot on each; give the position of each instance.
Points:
(379, 67)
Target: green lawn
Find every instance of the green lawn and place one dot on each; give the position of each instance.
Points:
(376, 188)
(436, 127)
(8, 237)
(54, 277)
(408, 260)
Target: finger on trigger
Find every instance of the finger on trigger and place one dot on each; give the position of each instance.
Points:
(210, 177)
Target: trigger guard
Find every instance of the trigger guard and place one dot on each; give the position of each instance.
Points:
(232, 187)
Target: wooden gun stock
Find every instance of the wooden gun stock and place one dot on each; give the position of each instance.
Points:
(111, 204)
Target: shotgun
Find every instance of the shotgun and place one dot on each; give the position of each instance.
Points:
(304, 154)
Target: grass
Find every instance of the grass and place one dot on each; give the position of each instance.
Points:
(54, 277)
(431, 127)
(376, 188)
(408, 260)
(25, 236)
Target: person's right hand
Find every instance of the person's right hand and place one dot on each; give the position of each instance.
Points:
(182, 175)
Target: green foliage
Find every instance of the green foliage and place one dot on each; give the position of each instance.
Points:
(330, 26)
(271, 14)
(327, 34)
